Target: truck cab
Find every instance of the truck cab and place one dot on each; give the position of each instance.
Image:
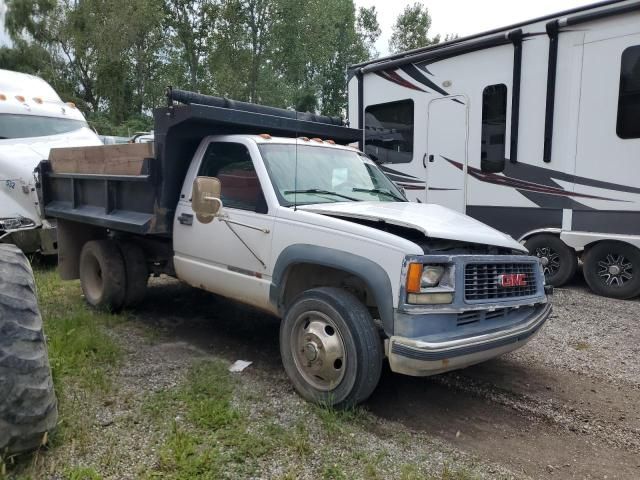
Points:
(309, 230)
(33, 119)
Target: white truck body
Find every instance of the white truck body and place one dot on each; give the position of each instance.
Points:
(305, 229)
(33, 119)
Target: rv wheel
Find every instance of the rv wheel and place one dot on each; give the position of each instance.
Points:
(612, 269)
(559, 262)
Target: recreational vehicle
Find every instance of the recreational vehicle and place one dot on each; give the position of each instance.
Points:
(532, 128)
(33, 119)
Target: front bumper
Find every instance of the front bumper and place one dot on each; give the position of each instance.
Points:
(41, 239)
(419, 357)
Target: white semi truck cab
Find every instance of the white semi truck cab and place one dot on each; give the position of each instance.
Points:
(309, 230)
(33, 119)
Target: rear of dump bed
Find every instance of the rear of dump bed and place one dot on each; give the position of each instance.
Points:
(135, 188)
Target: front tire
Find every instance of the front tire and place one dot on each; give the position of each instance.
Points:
(612, 269)
(331, 348)
(28, 407)
(559, 261)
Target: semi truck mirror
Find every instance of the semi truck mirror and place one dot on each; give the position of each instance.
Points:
(206, 201)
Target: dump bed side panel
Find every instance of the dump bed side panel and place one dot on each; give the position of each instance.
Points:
(111, 186)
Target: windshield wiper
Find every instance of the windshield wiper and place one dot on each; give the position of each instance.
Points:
(321, 192)
(388, 193)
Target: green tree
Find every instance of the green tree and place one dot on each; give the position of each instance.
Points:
(411, 29)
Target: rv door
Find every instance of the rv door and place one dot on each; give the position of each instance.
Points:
(446, 158)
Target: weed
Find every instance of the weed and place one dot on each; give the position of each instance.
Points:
(581, 346)
(81, 473)
(333, 472)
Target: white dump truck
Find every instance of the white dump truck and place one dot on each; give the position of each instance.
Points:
(274, 209)
(33, 119)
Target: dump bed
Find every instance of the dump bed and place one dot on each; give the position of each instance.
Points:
(135, 187)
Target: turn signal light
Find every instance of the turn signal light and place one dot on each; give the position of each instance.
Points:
(414, 276)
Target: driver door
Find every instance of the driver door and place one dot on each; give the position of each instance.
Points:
(229, 255)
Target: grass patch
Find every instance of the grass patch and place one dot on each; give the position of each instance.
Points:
(215, 439)
(79, 348)
(81, 355)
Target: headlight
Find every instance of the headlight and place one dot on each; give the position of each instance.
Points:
(15, 223)
(431, 275)
(429, 284)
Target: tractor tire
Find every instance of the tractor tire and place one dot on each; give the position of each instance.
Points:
(28, 407)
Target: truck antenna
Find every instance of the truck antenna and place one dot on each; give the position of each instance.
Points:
(295, 170)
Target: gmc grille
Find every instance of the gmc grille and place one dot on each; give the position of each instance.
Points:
(482, 281)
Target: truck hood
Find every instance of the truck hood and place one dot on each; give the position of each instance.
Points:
(18, 159)
(432, 220)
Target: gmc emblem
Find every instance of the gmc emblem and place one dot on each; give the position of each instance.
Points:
(512, 280)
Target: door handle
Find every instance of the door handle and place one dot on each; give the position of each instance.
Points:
(424, 161)
(185, 219)
(431, 158)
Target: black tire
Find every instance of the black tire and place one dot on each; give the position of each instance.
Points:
(102, 275)
(598, 261)
(560, 261)
(342, 383)
(136, 271)
(28, 407)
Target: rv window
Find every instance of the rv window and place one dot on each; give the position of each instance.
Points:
(629, 99)
(389, 132)
(494, 128)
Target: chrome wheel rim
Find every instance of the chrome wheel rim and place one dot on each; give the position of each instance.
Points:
(615, 270)
(550, 260)
(318, 350)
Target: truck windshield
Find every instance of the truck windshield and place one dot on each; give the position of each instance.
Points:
(322, 174)
(23, 126)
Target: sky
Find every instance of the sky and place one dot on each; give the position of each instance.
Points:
(4, 38)
(465, 17)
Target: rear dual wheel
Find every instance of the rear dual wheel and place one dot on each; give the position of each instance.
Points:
(331, 348)
(113, 274)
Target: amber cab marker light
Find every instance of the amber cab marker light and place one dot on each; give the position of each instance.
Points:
(71, 104)
(266, 136)
(3, 96)
(414, 276)
(20, 98)
(38, 100)
(319, 140)
(330, 142)
(304, 139)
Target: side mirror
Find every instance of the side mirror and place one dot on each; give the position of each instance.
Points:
(205, 198)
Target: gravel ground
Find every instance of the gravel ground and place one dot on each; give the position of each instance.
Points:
(591, 336)
(567, 405)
